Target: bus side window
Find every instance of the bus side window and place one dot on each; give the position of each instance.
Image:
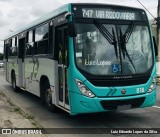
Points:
(6, 51)
(21, 49)
(66, 53)
(13, 47)
(10, 47)
(41, 39)
(29, 43)
(58, 46)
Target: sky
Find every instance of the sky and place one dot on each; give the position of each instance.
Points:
(16, 13)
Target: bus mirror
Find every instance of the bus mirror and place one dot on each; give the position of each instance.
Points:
(155, 46)
(72, 29)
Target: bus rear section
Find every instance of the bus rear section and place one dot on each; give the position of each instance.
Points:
(112, 60)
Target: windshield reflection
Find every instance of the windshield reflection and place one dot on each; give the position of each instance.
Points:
(96, 55)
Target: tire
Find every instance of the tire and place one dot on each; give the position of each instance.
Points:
(14, 87)
(48, 101)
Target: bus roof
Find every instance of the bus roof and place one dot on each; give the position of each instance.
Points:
(54, 13)
(102, 4)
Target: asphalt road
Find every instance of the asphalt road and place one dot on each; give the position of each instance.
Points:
(135, 118)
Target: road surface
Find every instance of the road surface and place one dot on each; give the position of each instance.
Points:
(136, 118)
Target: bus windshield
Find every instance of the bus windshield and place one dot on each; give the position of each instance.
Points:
(113, 49)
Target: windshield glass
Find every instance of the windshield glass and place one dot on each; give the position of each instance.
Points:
(96, 54)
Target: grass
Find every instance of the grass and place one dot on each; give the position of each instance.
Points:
(15, 108)
(30, 116)
(10, 102)
(2, 94)
(35, 124)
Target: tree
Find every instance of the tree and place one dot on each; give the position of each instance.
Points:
(1, 56)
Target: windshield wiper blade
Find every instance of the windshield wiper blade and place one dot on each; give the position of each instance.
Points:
(124, 49)
(122, 43)
(115, 43)
(125, 38)
(129, 31)
(110, 37)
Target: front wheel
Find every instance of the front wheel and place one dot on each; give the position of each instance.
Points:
(48, 100)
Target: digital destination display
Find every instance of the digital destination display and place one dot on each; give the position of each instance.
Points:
(110, 14)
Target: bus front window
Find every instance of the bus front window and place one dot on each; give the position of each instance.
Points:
(139, 50)
(95, 53)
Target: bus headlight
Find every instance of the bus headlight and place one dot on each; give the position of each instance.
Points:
(84, 90)
(152, 86)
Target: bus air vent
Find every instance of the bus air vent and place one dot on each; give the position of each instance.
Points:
(120, 82)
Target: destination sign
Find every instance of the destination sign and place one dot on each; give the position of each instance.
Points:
(110, 14)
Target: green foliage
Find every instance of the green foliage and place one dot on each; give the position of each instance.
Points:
(1, 56)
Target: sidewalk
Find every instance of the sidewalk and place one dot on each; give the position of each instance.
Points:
(12, 116)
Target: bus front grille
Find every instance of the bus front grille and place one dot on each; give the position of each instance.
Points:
(118, 82)
(113, 104)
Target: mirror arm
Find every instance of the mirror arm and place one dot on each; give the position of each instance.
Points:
(72, 30)
(68, 14)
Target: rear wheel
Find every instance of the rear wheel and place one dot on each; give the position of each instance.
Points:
(14, 86)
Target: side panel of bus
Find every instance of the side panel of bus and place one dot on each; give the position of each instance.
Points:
(38, 67)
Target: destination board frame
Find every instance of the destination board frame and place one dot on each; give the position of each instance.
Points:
(108, 10)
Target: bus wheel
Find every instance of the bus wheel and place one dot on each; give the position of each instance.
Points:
(14, 87)
(48, 100)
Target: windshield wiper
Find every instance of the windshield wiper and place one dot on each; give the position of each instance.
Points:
(125, 38)
(110, 37)
(123, 47)
(129, 32)
(115, 43)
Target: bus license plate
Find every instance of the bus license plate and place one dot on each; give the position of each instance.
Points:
(123, 107)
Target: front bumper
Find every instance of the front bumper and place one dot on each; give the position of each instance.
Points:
(81, 104)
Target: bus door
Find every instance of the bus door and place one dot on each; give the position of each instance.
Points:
(21, 68)
(62, 57)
